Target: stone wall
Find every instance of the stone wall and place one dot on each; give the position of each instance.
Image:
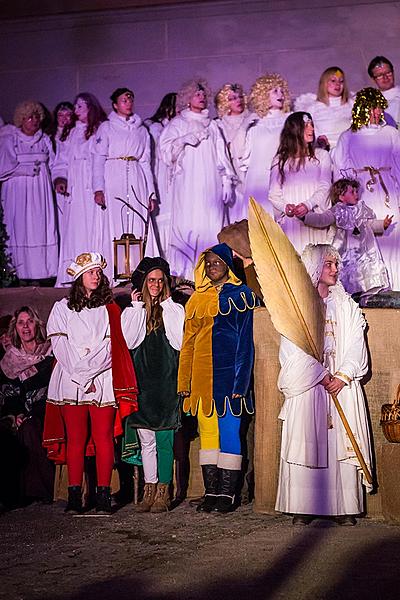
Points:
(154, 49)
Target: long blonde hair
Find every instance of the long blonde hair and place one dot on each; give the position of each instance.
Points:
(322, 94)
(153, 307)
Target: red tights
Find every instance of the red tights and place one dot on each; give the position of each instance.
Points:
(76, 420)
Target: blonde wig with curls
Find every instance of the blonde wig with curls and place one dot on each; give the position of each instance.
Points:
(188, 90)
(221, 98)
(259, 94)
(322, 94)
(26, 109)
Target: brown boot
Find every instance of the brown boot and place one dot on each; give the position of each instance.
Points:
(149, 496)
(162, 502)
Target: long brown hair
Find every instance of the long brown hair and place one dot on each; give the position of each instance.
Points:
(153, 307)
(292, 145)
(96, 114)
(99, 297)
(40, 327)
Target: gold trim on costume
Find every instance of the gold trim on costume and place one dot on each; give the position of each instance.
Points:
(57, 333)
(343, 376)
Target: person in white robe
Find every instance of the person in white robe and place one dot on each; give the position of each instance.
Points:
(270, 100)
(202, 178)
(381, 71)
(330, 108)
(122, 169)
(84, 220)
(26, 160)
(300, 181)
(234, 120)
(370, 152)
(319, 473)
(163, 212)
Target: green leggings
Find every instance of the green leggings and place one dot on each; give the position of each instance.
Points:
(165, 455)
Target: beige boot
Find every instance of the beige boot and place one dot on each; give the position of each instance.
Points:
(162, 501)
(149, 496)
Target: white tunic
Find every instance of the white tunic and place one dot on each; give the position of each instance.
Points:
(162, 183)
(393, 98)
(194, 150)
(234, 130)
(84, 221)
(319, 472)
(329, 119)
(310, 186)
(378, 147)
(28, 202)
(262, 142)
(82, 346)
(121, 161)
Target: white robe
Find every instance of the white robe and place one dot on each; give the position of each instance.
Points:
(319, 471)
(28, 202)
(234, 130)
(262, 143)
(379, 147)
(61, 200)
(84, 221)
(310, 186)
(82, 346)
(117, 140)
(194, 150)
(393, 98)
(329, 120)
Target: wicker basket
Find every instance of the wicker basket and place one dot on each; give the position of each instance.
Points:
(390, 419)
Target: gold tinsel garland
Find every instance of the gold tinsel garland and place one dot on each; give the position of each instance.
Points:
(366, 99)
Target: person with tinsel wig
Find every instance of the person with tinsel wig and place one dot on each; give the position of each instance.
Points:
(201, 175)
(330, 107)
(234, 120)
(153, 329)
(270, 100)
(215, 368)
(320, 474)
(370, 152)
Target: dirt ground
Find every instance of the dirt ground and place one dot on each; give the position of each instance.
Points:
(48, 555)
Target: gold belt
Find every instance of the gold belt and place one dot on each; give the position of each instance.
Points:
(128, 158)
(373, 172)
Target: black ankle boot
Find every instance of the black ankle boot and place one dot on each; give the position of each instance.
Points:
(103, 499)
(228, 479)
(210, 478)
(74, 504)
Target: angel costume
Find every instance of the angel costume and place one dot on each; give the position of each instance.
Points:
(261, 145)
(28, 202)
(84, 221)
(309, 185)
(234, 130)
(393, 98)
(329, 119)
(372, 155)
(319, 472)
(201, 176)
(353, 234)
(122, 169)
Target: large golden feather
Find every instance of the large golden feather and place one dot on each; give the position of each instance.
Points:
(296, 309)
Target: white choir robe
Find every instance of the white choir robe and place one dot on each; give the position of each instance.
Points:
(82, 346)
(262, 143)
(376, 146)
(319, 472)
(310, 186)
(234, 129)
(329, 119)
(28, 202)
(121, 161)
(83, 222)
(195, 152)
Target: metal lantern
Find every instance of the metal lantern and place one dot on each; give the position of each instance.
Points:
(128, 252)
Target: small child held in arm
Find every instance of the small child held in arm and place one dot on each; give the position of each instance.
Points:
(353, 229)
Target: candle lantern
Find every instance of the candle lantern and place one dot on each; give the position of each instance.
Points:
(128, 252)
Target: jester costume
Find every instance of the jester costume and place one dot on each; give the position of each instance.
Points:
(215, 368)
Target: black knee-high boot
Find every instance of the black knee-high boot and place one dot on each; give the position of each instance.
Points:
(210, 478)
(228, 479)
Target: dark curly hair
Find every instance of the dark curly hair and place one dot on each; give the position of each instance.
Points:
(292, 144)
(99, 297)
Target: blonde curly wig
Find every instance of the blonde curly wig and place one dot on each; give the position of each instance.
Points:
(188, 90)
(26, 109)
(221, 98)
(259, 94)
